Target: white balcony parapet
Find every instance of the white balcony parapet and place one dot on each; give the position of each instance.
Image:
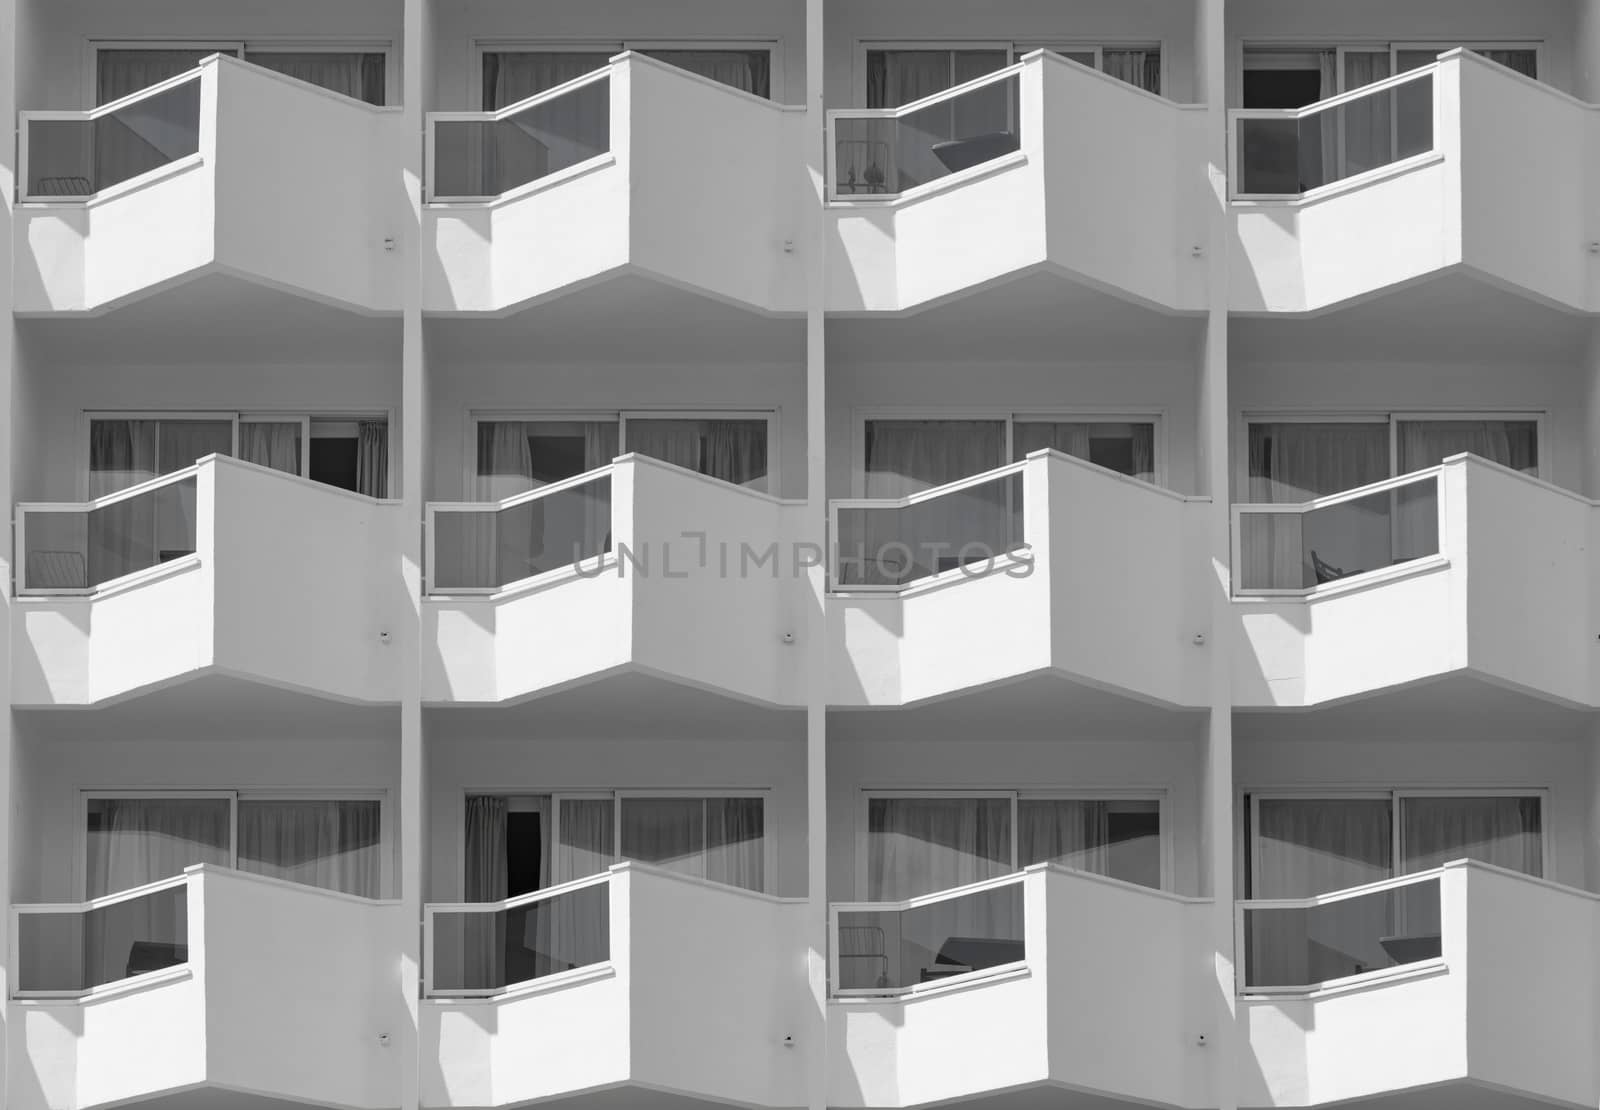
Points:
(1048, 979)
(210, 979)
(679, 984)
(1384, 127)
(1071, 569)
(621, 559)
(210, 569)
(228, 168)
(1464, 975)
(1296, 549)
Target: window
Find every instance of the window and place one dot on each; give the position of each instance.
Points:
(1292, 461)
(521, 843)
(511, 76)
(327, 842)
(358, 74)
(349, 452)
(918, 845)
(514, 456)
(1125, 447)
(896, 76)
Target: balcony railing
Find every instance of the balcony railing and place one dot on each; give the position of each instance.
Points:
(1293, 549)
(889, 948)
(70, 156)
(880, 153)
(78, 548)
(1290, 152)
(483, 547)
(1302, 944)
(481, 155)
(478, 949)
(67, 951)
(887, 544)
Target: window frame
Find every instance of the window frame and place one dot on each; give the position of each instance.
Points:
(866, 795)
(1395, 796)
(1244, 418)
(86, 417)
(769, 846)
(1014, 50)
(475, 417)
(387, 845)
(860, 417)
(478, 47)
(1242, 48)
(393, 86)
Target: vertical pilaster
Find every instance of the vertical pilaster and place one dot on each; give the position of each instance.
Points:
(414, 475)
(1216, 759)
(815, 534)
(9, 20)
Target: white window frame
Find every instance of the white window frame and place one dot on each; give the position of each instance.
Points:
(1395, 797)
(1392, 417)
(1285, 48)
(1437, 48)
(387, 879)
(1124, 794)
(475, 417)
(769, 839)
(1014, 50)
(860, 417)
(307, 417)
(482, 46)
(392, 84)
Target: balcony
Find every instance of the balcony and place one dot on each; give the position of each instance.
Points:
(635, 977)
(214, 979)
(943, 592)
(1466, 568)
(638, 168)
(1459, 165)
(1026, 169)
(1466, 976)
(229, 168)
(1045, 979)
(638, 566)
(212, 569)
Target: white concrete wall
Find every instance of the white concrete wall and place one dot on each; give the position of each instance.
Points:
(865, 754)
(522, 759)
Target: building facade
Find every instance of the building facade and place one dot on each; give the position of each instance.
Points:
(697, 657)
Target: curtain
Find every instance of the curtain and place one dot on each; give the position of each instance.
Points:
(327, 843)
(356, 75)
(746, 70)
(902, 150)
(897, 77)
(672, 441)
(730, 450)
(372, 458)
(483, 939)
(499, 546)
(274, 444)
(1511, 443)
(122, 453)
(1126, 448)
(119, 73)
(667, 832)
(736, 842)
(1140, 68)
(152, 132)
(1502, 831)
(1294, 462)
(1525, 62)
(1313, 846)
(133, 841)
(1367, 138)
(551, 136)
(143, 531)
(1073, 833)
(585, 845)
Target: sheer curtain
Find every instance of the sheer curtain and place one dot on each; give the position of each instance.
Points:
(485, 880)
(119, 73)
(736, 842)
(1073, 833)
(746, 70)
(1511, 443)
(328, 843)
(1304, 847)
(585, 844)
(1294, 462)
(730, 450)
(1503, 831)
(356, 75)
(122, 453)
(1140, 68)
(1367, 132)
(271, 443)
(667, 832)
(558, 133)
(372, 458)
